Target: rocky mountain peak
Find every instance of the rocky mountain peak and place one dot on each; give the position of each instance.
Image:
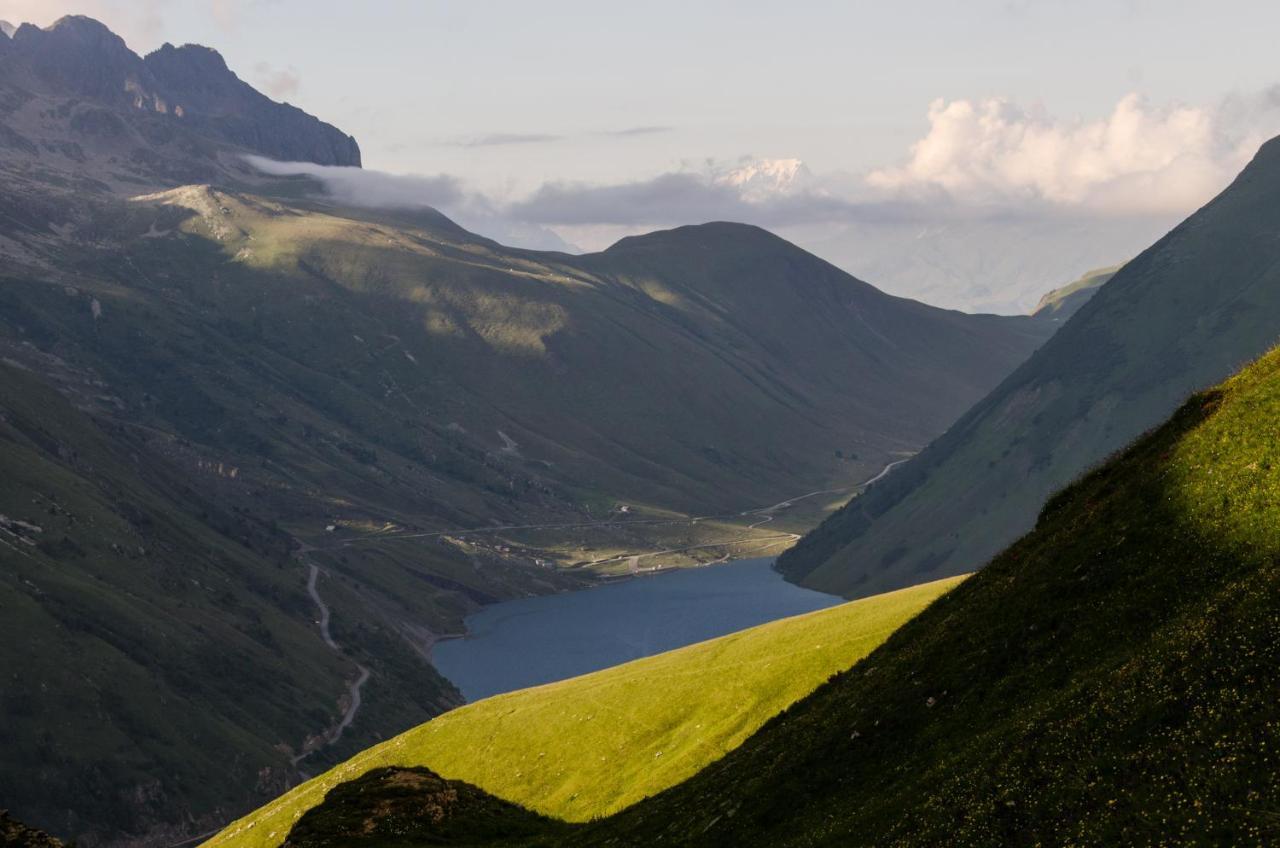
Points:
(82, 57)
(183, 90)
(192, 67)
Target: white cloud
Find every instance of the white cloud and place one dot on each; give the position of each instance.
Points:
(1137, 160)
(378, 189)
(363, 187)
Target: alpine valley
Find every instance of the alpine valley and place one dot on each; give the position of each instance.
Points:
(265, 443)
(227, 402)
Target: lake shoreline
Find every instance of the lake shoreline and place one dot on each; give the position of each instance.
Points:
(541, 639)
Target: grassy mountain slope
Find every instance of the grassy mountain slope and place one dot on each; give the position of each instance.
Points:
(136, 612)
(592, 745)
(1186, 313)
(417, 389)
(1107, 680)
(1061, 303)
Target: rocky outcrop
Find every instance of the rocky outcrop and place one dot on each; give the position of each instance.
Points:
(190, 89)
(15, 834)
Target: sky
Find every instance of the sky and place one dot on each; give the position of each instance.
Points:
(565, 122)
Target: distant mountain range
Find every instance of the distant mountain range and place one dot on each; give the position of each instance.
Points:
(1198, 304)
(229, 406)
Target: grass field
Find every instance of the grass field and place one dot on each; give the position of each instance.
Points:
(589, 746)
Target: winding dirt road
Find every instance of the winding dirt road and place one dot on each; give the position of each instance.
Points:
(334, 733)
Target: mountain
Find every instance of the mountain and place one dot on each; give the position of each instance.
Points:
(763, 179)
(76, 100)
(261, 450)
(1183, 314)
(1102, 682)
(590, 746)
(1061, 303)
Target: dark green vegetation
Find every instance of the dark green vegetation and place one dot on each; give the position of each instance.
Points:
(1063, 302)
(1107, 680)
(208, 389)
(414, 806)
(1184, 314)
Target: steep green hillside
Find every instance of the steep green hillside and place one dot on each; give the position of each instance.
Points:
(592, 745)
(1184, 314)
(1063, 302)
(136, 611)
(1107, 680)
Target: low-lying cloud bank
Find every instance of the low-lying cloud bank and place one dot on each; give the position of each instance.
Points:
(378, 189)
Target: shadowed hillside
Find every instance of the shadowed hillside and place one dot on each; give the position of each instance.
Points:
(1184, 314)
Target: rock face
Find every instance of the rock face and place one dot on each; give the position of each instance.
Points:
(225, 106)
(175, 91)
(414, 806)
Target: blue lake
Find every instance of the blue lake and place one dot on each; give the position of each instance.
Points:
(531, 641)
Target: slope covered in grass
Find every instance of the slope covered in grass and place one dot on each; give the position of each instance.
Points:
(1061, 303)
(589, 746)
(1186, 313)
(1109, 679)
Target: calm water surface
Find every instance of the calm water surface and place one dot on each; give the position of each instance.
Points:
(539, 640)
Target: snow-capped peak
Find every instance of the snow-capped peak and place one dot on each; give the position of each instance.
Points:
(759, 179)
